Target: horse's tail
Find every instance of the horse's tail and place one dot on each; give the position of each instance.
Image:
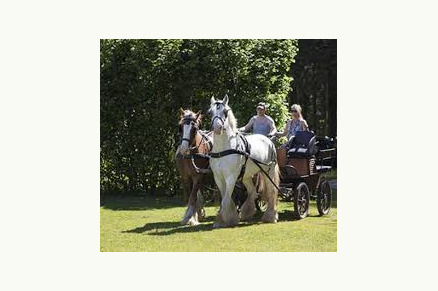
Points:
(276, 178)
(270, 194)
(259, 182)
(265, 186)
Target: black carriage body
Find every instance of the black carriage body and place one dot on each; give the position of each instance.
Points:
(301, 178)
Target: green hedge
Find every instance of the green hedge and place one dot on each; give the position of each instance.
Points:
(143, 83)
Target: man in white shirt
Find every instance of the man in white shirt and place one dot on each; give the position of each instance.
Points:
(260, 123)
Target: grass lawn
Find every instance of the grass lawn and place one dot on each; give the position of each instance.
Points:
(152, 224)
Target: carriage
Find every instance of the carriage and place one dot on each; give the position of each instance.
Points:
(302, 173)
(302, 167)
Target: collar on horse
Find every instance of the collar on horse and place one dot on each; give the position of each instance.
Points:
(246, 152)
(196, 155)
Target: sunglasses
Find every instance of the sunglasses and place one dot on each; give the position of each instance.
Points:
(294, 111)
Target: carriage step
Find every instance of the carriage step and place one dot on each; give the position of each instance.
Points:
(320, 168)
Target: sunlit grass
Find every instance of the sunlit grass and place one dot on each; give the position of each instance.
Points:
(152, 224)
(333, 174)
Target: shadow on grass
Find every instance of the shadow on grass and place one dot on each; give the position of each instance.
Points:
(197, 228)
(139, 203)
(286, 215)
(168, 227)
(154, 226)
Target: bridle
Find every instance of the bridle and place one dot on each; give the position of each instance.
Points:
(194, 150)
(188, 121)
(204, 138)
(219, 117)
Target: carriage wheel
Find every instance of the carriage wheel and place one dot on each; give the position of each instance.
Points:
(324, 198)
(301, 201)
(261, 204)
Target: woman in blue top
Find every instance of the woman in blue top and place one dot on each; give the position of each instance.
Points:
(297, 123)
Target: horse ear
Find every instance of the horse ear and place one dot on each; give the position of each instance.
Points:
(199, 115)
(212, 100)
(225, 101)
(181, 111)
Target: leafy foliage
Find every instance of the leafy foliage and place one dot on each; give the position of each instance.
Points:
(315, 84)
(143, 83)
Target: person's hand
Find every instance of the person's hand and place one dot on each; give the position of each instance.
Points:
(272, 137)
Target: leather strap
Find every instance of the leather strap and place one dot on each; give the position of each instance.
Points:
(227, 153)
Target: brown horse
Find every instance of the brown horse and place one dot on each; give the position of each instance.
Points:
(192, 163)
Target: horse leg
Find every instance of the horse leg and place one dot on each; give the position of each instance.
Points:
(199, 198)
(220, 183)
(187, 219)
(193, 201)
(186, 185)
(270, 194)
(248, 209)
(228, 211)
(200, 205)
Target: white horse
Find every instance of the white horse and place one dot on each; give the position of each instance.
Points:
(226, 168)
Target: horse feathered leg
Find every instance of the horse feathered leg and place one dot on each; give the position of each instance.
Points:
(190, 212)
(219, 222)
(200, 205)
(227, 215)
(248, 209)
(271, 193)
(191, 215)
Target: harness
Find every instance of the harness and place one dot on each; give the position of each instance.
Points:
(195, 156)
(246, 153)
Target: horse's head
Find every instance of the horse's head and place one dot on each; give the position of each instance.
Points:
(219, 110)
(188, 125)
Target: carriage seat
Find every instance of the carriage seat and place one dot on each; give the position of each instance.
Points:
(302, 145)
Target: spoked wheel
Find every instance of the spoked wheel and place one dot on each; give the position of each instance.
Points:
(324, 198)
(261, 204)
(301, 201)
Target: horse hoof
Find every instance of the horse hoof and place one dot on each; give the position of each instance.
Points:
(269, 218)
(193, 222)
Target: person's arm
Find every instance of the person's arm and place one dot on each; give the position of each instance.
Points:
(304, 125)
(285, 130)
(248, 126)
(273, 128)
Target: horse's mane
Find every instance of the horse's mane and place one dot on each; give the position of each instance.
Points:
(232, 121)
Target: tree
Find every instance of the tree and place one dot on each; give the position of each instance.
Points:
(145, 82)
(315, 84)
